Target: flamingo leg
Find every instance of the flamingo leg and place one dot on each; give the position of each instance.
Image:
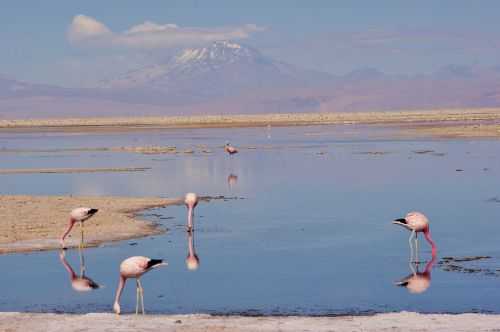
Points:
(411, 245)
(141, 291)
(137, 296)
(81, 238)
(416, 248)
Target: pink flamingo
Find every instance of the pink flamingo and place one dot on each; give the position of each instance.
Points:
(232, 179)
(78, 215)
(417, 222)
(191, 200)
(418, 282)
(80, 283)
(135, 267)
(230, 149)
(192, 260)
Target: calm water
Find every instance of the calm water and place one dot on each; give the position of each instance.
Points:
(310, 232)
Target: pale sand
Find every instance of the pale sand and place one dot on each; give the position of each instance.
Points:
(31, 223)
(285, 119)
(71, 170)
(395, 322)
(464, 131)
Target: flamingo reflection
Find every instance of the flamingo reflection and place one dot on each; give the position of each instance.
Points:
(192, 260)
(80, 283)
(418, 282)
(232, 179)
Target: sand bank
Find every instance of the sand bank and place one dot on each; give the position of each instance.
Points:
(31, 223)
(253, 120)
(71, 170)
(463, 131)
(404, 321)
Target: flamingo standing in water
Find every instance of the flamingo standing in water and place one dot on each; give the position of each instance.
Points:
(80, 283)
(418, 282)
(191, 200)
(230, 149)
(78, 215)
(416, 222)
(192, 260)
(135, 267)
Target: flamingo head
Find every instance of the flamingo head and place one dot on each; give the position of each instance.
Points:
(116, 308)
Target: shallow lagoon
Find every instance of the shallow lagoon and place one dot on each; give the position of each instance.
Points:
(309, 231)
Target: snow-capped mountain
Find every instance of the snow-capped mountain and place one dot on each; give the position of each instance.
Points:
(222, 68)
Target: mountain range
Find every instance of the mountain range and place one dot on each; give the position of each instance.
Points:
(229, 78)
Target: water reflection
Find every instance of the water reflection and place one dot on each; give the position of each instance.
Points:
(232, 179)
(418, 282)
(80, 283)
(192, 260)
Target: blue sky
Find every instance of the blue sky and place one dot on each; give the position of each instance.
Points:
(332, 36)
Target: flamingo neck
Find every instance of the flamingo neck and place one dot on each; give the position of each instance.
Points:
(68, 229)
(121, 285)
(190, 216)
(427, 234)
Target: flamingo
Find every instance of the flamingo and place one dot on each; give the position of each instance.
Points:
(418, 282)
(80, 215)
(191, 200)
(134, 267)
(80, 283)
(192, 260)
(417, 222)
(230, 149)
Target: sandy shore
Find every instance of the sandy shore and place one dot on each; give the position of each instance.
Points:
(404, 321)
(31, 223)
(291, 119)
(463, 131)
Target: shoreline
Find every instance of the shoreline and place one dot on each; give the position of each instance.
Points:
(112, 124)
(400, 321)
(35, 223)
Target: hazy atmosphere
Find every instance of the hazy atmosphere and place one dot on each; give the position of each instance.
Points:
(191, 57)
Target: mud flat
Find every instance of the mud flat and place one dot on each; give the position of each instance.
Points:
(254, 120)
(403, 321)
(33, 223)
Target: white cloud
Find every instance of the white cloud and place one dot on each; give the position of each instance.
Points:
(150, 35)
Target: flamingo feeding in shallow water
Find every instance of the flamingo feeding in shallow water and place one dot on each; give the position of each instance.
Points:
(134, 267)
(78, 215)
(416, 222)
(191, 200)
(230, 149)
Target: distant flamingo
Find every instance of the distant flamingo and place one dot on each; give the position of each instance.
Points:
(134, 267)
(79, 283)
(418, 282)
(78, 215)
(230, 149)
(191, 200)
(192, 260)
(417, 222)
